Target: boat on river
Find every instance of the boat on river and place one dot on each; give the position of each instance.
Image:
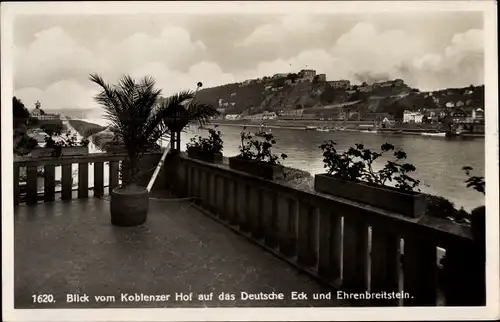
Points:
(323, 129)
(438, 134)
(309, 127)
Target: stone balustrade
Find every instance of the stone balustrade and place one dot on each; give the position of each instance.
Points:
(353, 247)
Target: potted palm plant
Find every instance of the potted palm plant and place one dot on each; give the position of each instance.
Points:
(256, 157)
(139, 118)
(208, 149)
(351, 175)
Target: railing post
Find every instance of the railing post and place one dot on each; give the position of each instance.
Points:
(220, 194)
(83, 180)
(419, 271)
(66, 181)
(113, 175)
(330, 244)
(32, 185)
(98, 179)
(242, 207)
(269, 218)
(255, 212)
(49, 183)
(231, 203)
(355, 254)
(385, 264)
(203, 188)
(287, 226)
(17, 190)
(308, 235)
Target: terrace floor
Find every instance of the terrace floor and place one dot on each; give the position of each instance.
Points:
(71, 247)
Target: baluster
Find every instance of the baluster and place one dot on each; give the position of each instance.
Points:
(355, 254)
(189, 186)
(32, 185)
(255, 207)
(221, 193)
(287, 226)
(211, 183)
(49, 183)
(419, 272)
(66, 181)
(114, 175)
(242, 207)
(330, 244)
(204, 190)
(98, 179)
(83, 180)
(182, 186)
(269, 218)
(17, 190)
(196, 184)
(230, 199)
(308, 235)
(385, 264)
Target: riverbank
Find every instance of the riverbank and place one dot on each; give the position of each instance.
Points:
(392, 131)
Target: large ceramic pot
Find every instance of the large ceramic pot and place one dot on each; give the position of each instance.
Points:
(412, 204)
(129, 205)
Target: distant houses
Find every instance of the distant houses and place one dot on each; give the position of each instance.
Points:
(412, 117)
(340, 84)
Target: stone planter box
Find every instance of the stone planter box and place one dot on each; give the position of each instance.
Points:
(257, 168)
(410, 204)
(69, 151)
(207, 156)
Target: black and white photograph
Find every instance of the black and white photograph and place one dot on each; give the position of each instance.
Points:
(293, 160)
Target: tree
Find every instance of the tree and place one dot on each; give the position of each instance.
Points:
(20, 113)
(139, 118)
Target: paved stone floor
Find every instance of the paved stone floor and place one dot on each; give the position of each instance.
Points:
(70, 247)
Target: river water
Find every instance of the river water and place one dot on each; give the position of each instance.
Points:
(439, 161)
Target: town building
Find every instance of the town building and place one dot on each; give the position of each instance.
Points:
(291, 113)
(392, 83)
(280, 75)
(321, 77)
(412, 117)
(365, 88)
(306, 75)
(39, 114)
(338, 84)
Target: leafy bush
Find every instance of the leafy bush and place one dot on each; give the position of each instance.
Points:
(356, 164)
(213, 143)
(63, 141)
(477, 183)
(255, 149)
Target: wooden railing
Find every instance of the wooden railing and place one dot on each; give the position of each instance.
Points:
(353, 247)
(32, 194)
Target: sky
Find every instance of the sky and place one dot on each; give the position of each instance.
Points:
(53, 55)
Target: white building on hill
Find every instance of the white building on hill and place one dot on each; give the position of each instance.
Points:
(412, 117)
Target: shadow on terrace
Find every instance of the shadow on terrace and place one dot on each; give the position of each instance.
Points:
(214, 229)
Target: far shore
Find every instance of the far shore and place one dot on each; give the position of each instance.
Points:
(392, 131)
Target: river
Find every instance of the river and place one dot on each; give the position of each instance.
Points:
(439, 161)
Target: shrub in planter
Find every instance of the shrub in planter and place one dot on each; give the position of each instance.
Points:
(57, 144)
(206, 149)
(256, 157)
(350, 175)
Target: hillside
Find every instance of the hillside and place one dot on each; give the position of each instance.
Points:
(322, 99)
